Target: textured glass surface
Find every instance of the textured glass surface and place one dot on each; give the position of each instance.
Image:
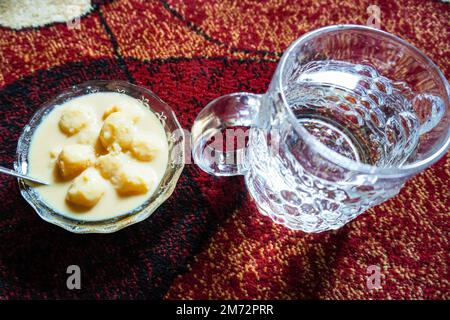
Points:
(351, 113)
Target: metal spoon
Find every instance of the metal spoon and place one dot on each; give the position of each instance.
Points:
(19, 175)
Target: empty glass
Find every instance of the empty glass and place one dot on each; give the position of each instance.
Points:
(351, 113)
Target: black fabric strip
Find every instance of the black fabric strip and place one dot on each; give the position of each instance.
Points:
(116, 47)
(207, 37)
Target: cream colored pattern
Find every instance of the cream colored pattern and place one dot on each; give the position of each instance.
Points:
(18, 14)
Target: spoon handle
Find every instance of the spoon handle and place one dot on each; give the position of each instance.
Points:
(19, 175)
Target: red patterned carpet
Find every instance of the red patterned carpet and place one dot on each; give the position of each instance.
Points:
(208, 240)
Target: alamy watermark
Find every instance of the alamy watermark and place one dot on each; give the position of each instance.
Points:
(74, 279)
(373, 280)
(74, 23)
(374, 20)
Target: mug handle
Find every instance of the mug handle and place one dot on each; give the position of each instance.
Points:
(229, 112)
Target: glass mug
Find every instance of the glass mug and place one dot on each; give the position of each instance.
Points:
(351, 113)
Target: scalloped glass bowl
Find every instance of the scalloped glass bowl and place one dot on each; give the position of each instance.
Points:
(175, 137)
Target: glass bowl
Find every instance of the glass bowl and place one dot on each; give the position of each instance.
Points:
(175, 138)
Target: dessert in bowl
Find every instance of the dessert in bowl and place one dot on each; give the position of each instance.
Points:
(112, 153)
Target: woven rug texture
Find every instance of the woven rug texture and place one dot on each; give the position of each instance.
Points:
(208, 241)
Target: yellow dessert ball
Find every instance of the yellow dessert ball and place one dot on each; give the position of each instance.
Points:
(130, 182)
(74, 158)
(86, 189)
(73, 120)
(117, 132)
(109, 165)
(142, 149)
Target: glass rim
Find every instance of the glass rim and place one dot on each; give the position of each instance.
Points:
(337, 158)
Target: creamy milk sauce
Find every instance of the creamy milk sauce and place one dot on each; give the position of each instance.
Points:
(49, 139)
